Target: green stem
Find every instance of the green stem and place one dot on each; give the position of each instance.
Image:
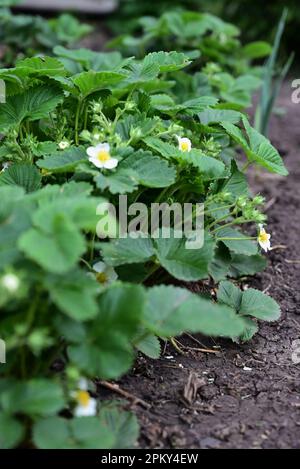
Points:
(153, 269)
(219, 220)
(86, 263)
(77, 122)
(92, 248)
(85, 117)
(236, 239)
(235, 222)
(246, 166)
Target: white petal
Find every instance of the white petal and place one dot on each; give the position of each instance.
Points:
(99, 267)
(103, 147)
(265, 245)
(92, 152)
(96, 162)
(111, 164)
(83, 384)
(86, 411)
(111, 274)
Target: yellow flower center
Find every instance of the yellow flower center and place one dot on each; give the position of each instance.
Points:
(101, 277)
(263, 237)
(184, 146)
(103, 155)
(83, 398)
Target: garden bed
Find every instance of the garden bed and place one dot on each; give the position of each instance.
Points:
(248, 395)
(98, 126)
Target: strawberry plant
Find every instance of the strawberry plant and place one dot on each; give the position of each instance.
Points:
(25, 35)
(87, 130)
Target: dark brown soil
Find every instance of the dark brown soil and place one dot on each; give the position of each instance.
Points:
(247, 396)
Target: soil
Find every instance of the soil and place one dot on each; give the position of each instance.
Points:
(244, 396)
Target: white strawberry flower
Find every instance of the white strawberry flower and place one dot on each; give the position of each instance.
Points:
(86, 405)
(184, 144)
(10, 282)
(264, 238)
(105, 274)
(63, 145)
(100, 156)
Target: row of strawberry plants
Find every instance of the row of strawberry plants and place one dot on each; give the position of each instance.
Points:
(79, 130)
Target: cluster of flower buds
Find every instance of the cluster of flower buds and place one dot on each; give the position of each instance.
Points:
(249, 210)
(210, 147)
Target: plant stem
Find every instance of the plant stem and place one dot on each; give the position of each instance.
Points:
(236, 239)
(153, 269)
(246, 166)
(77, 122)
(235, 222)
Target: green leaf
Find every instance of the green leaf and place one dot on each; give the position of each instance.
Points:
(41, 66)
(240, 244)
(171, 310)
(259, 149)
(263, 152)
(142, 72)
(220, 264)
(123, 181)
(15, 218)
(257, 304)
(56, 251)
(162, 102)
(151, 170)
(83, 56)
(167, 61)
(37, 397)
(91, 60)
(109, 353)
(63, 161)
(51, 433)
(75, 294)
(90, 82)
(22, 175)
(251, 302)
(251, 328)
(212, 116)
(162, 148)
(149, 346)
(127, 251)
(11, 432)
(68, 203)
(237, 184)
(181, 262)
(197, 105)
(207, 166)
(77, 433)
(246, 265)
(257, 50)
(88, 433)
(35, 103)
(122, 425)
(230, 295)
